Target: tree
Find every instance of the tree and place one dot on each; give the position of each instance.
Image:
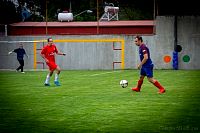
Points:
(128, 10)
(8, 13)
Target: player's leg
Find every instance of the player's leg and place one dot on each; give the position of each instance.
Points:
(140, 81)
(22, 66)
(157, 84)
(48, 78)
(56, 80)
(139, 84)
(154, 81)
(19, 65)
(52, 66)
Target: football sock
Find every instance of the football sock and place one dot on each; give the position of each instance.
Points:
(56, 77)
(140, 82)
(158, 85)
(47, 79)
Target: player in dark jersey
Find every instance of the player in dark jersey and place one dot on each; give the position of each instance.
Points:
(20, 56)
(146, 66)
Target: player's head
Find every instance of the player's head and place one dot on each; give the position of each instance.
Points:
(20, 45)
(138, 40)
(50, 40)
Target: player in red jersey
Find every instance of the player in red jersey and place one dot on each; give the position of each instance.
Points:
(145, 66)
(48, 53)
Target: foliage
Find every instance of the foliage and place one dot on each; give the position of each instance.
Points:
(8, 13)
(133, 9)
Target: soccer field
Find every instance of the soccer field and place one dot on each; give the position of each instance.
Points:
(93, 101)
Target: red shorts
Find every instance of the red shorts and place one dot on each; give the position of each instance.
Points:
(52, 66)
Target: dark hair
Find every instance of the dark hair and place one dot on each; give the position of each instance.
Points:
(139, 38)
(48, 40)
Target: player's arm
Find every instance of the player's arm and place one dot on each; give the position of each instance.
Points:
(10, 52)
(42, 54)
(61, 53)
(58, 52)
(26, 54)
(143, 60)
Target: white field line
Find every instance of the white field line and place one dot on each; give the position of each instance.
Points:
(97, 74)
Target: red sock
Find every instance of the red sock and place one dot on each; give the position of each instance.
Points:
(139, 84)
(158, 85)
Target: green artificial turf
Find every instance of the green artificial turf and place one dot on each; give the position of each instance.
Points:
(93, 101)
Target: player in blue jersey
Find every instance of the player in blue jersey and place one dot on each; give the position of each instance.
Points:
(145, 66)
(20, 56)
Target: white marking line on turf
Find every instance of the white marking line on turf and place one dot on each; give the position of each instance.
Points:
(97, 74)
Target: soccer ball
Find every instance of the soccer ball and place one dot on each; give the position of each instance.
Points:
(123, 83)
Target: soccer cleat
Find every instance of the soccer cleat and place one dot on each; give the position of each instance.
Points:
(161, 91)
(46, 84)
(57, 83)
(136, 89)
(23, 72)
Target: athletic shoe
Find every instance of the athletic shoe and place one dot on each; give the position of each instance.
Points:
(161, 91)
(22, 72)
(136, 89)
(57, 83)
(46, 84)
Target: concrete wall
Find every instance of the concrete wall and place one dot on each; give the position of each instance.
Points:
(188, 36)
(100, 55)
(189, 39)
(80, 55)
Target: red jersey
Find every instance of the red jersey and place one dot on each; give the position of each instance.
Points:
(49, 52)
